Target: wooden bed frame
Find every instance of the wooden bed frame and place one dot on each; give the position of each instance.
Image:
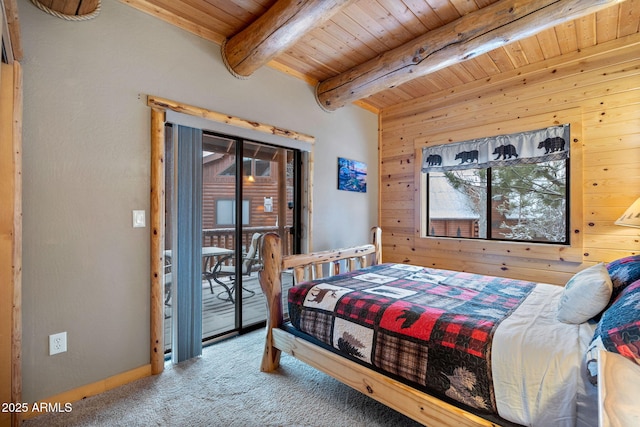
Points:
(415, 404)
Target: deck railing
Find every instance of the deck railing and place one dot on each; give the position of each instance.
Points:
(225, 237)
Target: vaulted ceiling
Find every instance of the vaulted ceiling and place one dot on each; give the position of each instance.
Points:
(378, 53)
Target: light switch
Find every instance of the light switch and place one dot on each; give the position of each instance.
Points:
(138, 219)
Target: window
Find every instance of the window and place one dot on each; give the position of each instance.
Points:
(250, 167)
(511, 187)
(262, 168)
(226, 212)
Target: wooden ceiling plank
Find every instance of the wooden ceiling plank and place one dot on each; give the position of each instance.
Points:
(456, 76)
(389, 36)
(321, 42)
(516, 54)
(427, 84)
(395, 96)
(502, 60)
(279, 65)
(404, 15)
(370, 104)
(248, 4)
(567, 37)
(444, 9)
(417, 87)
(607, 24)
(464, 6)
(320, 55)
(390, 24)
(484, 3)
(463, 74)
(424, 13)
(191, 10)
(245, 11)
(274, 32)
(166, 11)
(476, 33)
(341, 52)
(321, 50)
(439, 79)
(474, 68)
(352, 45)
(302, 59)
(354, 28)
(202, 11)
(629, 18)
(532, 50)
(586, 31)
(487, 64)
(549, 43)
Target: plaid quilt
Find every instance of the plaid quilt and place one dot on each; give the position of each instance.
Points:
(428, 327)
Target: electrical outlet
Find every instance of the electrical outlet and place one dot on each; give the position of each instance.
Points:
(57, 343)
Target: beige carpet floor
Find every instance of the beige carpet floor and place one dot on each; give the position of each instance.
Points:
(224, 387)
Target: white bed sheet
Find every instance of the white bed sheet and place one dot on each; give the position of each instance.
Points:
(537, 365)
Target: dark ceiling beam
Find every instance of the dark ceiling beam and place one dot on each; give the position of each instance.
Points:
(274, 32)
(471, 35)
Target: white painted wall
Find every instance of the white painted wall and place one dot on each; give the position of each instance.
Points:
(86, 167)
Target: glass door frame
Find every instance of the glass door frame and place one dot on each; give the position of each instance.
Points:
(160, 109)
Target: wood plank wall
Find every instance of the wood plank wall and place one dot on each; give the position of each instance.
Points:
(601, 83)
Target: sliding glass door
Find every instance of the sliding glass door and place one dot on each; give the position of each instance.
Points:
(246, 189)
(269, 192)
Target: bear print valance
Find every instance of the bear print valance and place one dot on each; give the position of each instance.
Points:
(534, 146)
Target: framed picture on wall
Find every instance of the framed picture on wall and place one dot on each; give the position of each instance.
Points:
(352, 175)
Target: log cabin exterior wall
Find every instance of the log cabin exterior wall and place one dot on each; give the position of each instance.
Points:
(601, 83)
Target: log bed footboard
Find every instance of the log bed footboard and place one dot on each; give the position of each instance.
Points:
(417, 405)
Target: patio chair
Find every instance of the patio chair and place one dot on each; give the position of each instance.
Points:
(167, 287)
(250, 263)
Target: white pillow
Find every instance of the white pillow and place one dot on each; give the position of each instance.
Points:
(585, 295)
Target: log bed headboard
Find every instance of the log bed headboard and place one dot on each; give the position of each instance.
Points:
(305, 267)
